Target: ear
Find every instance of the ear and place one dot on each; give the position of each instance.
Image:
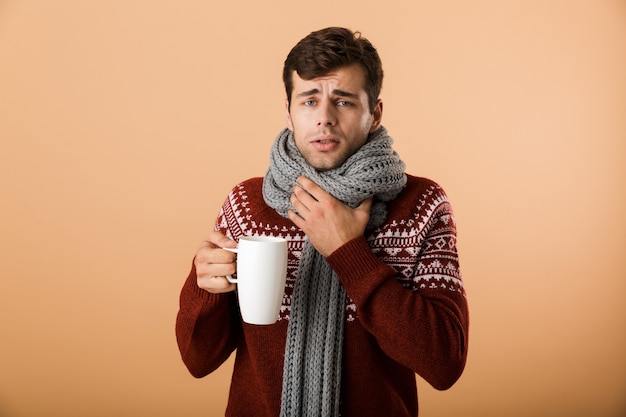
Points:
(288, 116)
(377, 115)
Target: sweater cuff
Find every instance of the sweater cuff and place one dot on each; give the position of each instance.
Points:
(354, 260)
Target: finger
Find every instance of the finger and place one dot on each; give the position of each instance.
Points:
(204, 270)
(366, 205)
(208, 254)
(296, 218)
(218, 240)
(216, 285)
(301, 201)
(311, 188)
(363, 210)
(215, 240)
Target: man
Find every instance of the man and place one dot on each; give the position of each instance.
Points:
(373, 293)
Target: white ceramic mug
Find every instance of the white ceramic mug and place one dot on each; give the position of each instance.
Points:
(261, 275)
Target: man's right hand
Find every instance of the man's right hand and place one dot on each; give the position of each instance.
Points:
(213, 263)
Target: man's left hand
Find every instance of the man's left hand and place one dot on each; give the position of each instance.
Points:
(327, 221)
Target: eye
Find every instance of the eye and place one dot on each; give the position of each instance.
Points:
(309, 102)
(343, 103)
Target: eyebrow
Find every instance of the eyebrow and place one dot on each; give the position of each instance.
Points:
(336, 92)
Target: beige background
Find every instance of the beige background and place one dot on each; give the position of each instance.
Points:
(124, 123)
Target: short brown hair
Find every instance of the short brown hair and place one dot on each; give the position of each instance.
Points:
(327, 49)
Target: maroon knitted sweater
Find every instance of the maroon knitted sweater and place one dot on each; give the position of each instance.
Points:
(406, 310)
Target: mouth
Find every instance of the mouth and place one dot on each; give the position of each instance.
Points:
(325, 139)
(325, 143)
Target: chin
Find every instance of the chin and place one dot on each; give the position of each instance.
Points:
(325, 164)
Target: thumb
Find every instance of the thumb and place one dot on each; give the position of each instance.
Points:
(366, 205)
(219, 240)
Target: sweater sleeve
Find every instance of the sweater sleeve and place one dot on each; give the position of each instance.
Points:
(207, 328)
(424, 328)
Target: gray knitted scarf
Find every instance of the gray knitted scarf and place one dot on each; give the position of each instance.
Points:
(313, 351)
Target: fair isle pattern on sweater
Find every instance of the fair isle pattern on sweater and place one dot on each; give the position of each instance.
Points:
(421, 249)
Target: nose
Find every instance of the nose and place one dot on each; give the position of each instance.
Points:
(326, 115)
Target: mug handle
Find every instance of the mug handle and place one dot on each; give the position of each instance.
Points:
(230, 278)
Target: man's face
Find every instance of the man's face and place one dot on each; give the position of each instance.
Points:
(330, 116)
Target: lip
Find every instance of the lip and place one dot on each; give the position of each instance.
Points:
(322, 138)
(325, 143)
